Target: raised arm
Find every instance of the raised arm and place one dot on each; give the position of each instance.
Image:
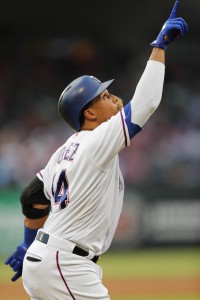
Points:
(148, 93)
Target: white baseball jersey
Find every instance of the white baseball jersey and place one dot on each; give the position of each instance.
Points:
(83, 180)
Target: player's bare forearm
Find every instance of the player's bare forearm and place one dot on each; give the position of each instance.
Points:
(158, 54)
(36, 223)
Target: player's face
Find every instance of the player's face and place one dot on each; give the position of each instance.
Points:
(106, 106)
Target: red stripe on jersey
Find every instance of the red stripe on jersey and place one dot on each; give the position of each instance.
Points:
(39, 174)
(123, 126)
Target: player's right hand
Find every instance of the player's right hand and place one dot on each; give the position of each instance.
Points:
(172, 28)
(16, 261)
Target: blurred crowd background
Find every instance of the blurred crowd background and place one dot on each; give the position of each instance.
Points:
(46, 45)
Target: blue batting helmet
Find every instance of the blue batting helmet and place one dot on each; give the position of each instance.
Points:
(76, 95)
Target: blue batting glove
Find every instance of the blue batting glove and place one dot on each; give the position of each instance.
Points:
(16, 261)
(172, 28)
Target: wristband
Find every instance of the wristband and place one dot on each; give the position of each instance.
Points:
(29, 236)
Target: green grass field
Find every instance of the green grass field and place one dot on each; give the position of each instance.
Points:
(140, 274)
(153, 263)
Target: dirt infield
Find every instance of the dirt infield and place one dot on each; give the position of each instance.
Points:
(132, 287)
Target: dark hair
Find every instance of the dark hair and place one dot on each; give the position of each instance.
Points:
(81, 115)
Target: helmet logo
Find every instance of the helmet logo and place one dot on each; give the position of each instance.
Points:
(95, 79)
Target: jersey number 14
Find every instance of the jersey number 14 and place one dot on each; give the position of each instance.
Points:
(60, 192)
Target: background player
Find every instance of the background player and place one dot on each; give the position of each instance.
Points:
(82, 183)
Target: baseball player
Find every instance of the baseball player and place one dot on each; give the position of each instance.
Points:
(73, 205)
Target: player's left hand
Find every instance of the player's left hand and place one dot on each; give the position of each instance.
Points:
(16, 261)
(172, 28)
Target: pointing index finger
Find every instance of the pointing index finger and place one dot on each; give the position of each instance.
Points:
(174, 10)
